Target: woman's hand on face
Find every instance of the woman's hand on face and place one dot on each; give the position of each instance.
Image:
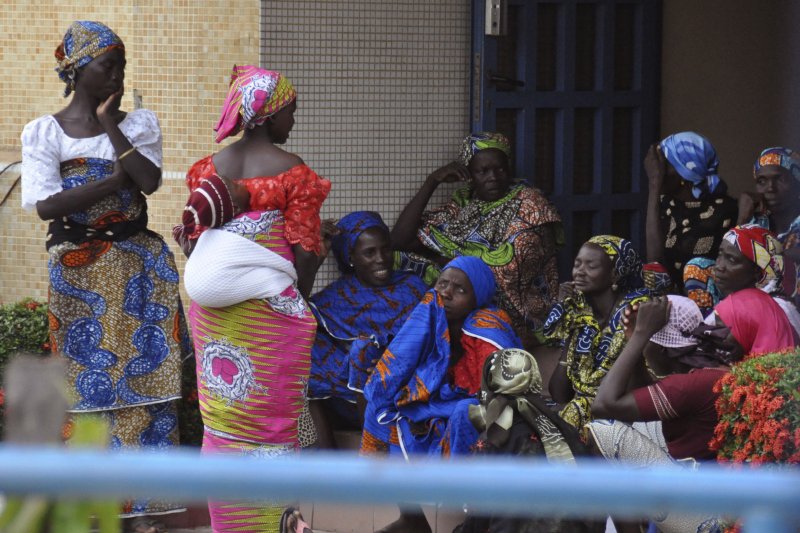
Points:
(108, 108)
(652, 315)
(450, 173)
(750, 203)
(566, 290)
(655, 166)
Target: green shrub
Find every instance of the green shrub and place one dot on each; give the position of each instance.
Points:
(23, 327)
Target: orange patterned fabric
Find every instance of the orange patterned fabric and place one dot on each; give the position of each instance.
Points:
(297, 192)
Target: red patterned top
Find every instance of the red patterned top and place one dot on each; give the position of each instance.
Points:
(297, 192)
(468, 371)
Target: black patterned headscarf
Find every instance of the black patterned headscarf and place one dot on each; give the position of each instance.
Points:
(84, 41)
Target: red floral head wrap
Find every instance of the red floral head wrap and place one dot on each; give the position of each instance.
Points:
(763, 248)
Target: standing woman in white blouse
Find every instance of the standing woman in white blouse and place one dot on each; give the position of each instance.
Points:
(115, 312)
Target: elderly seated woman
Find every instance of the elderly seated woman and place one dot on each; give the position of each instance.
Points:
(420, 391)
(511, 226)
(357, 316)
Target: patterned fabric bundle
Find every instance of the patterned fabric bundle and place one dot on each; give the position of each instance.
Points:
(694, 158)
(514, 420)
(763, 248)
(84, 41)
(698, 284)
(511, 390)
(356, 322)
(592, 349)
(624, 257)
(410, 398)
(482, 141)
(255, 95)
(209, 206)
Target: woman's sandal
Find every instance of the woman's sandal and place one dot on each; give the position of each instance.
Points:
(292, 522)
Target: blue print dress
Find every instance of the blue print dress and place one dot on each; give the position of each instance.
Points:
(114, 307)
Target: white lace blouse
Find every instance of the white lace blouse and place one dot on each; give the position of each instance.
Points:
(45, 146)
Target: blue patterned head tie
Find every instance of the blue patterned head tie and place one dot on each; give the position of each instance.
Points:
(625, 259)
(84, 41)
(481, 141)
(480, 276)
(351, 227)
(694, 158)
(781, 157)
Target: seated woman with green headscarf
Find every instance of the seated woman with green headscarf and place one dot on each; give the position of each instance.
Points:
(512, 227)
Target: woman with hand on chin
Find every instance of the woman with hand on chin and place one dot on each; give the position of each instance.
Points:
(607, 278)
(688, 210)
(114, 307)
(775, 206)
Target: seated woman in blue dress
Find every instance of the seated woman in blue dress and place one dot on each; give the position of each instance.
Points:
(357, 316)
(419, 395)
(432, 369)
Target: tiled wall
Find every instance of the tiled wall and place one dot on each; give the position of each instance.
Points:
(383, 94)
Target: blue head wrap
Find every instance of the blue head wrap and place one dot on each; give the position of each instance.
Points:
(352, 226)
(695, 159)
(480, 276)
(84, 41)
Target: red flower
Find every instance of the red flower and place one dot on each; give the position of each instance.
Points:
(759, 415)
(2, 397)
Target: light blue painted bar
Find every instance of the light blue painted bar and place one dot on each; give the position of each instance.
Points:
(768, 522)
(490, 484)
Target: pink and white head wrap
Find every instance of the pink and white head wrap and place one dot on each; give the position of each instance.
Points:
(254, 95)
